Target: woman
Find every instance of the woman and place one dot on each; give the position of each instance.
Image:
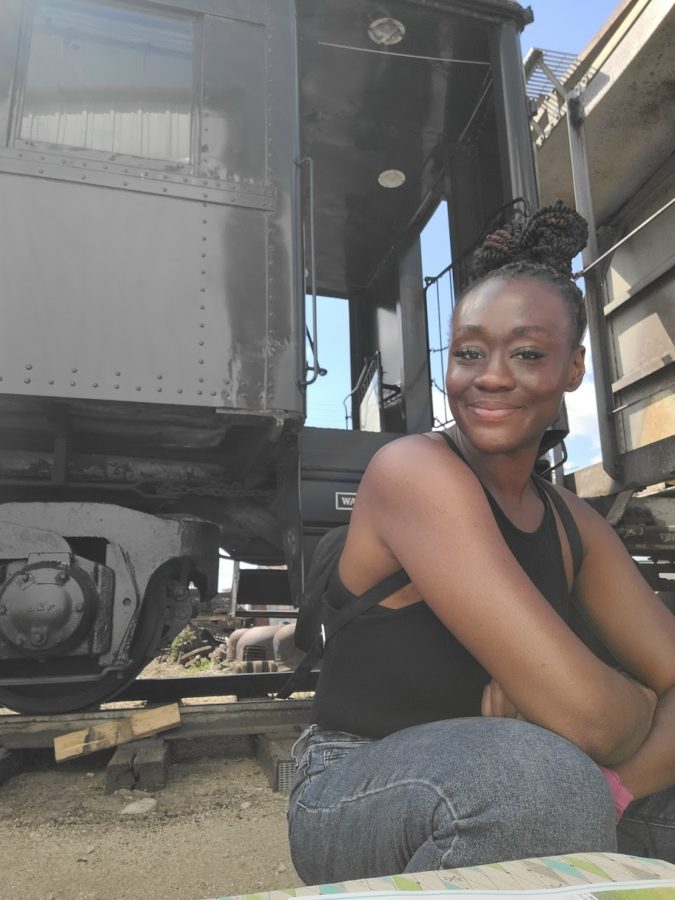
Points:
(415, 761)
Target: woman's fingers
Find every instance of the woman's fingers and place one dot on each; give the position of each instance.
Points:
(495, 702)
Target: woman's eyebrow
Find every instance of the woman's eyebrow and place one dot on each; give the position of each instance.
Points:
(521, 330)
(518, 331)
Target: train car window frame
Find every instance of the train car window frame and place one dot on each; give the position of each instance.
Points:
(193, 21)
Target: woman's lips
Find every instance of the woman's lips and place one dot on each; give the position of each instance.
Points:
(489, 413)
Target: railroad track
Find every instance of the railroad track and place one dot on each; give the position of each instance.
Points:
(167, 690)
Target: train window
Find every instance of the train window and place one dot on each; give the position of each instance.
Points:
(107, 77)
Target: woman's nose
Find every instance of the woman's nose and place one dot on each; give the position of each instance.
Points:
(496, 375)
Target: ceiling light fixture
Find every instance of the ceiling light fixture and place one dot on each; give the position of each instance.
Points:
(391, 178)
(386, 32)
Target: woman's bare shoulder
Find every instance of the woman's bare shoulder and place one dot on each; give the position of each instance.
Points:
(412, 453)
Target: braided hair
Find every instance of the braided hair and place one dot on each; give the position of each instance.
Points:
(539, 246)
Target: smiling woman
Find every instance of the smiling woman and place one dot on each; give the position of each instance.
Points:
(489, 742)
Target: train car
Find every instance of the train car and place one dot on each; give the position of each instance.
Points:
(174, 179)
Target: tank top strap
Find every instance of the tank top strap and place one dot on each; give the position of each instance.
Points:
(551, 498)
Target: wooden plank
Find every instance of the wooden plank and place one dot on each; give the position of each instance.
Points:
(118, 731)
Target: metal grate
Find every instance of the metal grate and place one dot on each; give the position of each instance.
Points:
(285, 770)
(563, 66)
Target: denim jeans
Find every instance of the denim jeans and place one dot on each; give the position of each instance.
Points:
(647, 828)
(452, 793)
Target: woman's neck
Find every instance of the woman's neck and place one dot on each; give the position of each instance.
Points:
(508, 476)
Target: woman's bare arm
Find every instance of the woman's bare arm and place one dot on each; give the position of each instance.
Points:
(640, 631)
(429, 513)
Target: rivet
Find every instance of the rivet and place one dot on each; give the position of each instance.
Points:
(203, 255)
(205, 221)
(199, 393)
(185, 180)
(105, 168)
(125, 183)
(29, 366)
(164, 177)
(19, 155)
(42, 158)
(51, 381)
(203, 237)
(138, 387)
(213, 393)
(27, 380)
(72, 384)
(159, 390)
(203, 272)
(83, 177)
(204, 205)
(74, 371)
(205, 196)
(180, 390)
(41, 171)
(202, 306)
(0, 377)
(165, 190)
(117, 374)
(201, 343)
(116, 387)
(84, 164)
(126, 601)
(202, 290)
(201, 324)
(160, 377)
(95, 384)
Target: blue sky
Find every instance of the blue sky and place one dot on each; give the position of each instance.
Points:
(564, 25)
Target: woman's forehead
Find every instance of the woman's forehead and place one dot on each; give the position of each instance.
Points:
(519, 303)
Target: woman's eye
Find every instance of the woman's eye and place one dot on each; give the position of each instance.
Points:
(528, 354)
(466, 353)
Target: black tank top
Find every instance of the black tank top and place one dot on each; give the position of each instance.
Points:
(390, 669)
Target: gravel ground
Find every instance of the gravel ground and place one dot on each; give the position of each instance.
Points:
(216, 829)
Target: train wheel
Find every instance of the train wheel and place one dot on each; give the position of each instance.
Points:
(62, 696)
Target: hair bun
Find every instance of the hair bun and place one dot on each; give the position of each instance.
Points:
(552, 236)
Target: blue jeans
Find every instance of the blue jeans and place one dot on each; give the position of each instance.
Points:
(647, 828)
(453, 793)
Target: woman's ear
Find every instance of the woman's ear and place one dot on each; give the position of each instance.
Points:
(577, 368)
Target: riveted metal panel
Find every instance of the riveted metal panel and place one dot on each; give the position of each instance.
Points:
(128, 296)
(161, 283)
(285, 278)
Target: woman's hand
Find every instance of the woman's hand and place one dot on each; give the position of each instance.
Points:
(496, 703)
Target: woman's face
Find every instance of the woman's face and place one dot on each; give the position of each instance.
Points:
(511, 360)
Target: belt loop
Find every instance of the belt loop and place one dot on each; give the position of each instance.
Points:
(301, 743)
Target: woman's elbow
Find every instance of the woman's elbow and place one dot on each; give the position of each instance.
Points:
(615, 735)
